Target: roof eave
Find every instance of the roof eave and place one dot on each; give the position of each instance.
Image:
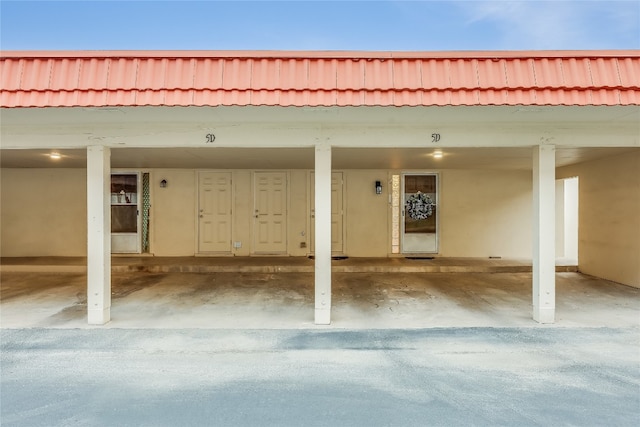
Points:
(328, 54)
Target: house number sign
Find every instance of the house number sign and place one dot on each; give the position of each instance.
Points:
(435, 137)
(210, 138)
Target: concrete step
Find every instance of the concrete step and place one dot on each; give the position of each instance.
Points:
(272, 265)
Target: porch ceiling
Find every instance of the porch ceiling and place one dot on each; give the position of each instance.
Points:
(42, 129)
(512, 158)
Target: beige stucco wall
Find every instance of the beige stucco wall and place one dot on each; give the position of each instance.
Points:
(172, 218)
(482, 213)
(367, 214)
(609, 217)
(485, 213)
(43, 212)
(242, 214)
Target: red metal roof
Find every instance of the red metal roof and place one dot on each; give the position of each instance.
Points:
(198, 78)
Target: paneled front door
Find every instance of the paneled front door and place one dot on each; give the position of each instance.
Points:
(214, 212)
(270, 213)
(337, 214)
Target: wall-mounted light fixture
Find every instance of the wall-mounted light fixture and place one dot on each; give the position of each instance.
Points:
(55, 155)
(378, 187)
(437, 154)
(163, 183)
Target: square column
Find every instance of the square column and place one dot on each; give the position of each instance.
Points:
(323, 234)
(98, 235)
(544, 241)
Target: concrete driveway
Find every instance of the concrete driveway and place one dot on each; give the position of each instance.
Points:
(285, 300)
(419, 377)
(235, 349)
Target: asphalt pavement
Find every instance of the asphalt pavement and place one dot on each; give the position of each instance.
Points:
(394, 377)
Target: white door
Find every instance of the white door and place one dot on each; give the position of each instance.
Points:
(125, 213)
(337, 214)
(420, 213)
(270, 213)
(214, 212)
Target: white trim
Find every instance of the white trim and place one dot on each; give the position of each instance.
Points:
(322, 263)
(343, 214)
(138, 233)
(402, 215)
(544, 242)
(230, 251)
(98, 235)
(287, 173)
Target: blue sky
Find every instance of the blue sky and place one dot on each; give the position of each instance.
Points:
(320, 25)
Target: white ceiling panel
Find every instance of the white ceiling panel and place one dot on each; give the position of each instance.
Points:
(303, 158)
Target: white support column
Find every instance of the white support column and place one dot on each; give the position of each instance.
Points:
(544, 243)
(323, 234)
(98, 235)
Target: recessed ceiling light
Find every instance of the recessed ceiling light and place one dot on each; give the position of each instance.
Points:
(437, 154)
(55, 155)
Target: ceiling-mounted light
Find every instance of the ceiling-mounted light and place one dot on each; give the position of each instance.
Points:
(55, 155)
(437, 154)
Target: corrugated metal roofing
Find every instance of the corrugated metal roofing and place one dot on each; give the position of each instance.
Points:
(52, 79)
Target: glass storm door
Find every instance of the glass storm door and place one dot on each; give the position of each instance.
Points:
(125, 208)
(420, 213)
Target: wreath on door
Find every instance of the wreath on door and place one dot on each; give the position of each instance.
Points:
(419, 206)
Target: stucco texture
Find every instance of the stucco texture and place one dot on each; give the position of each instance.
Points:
(173, 228)
(366, 214)
(43, 212)
(485, 213)
(609, 217)
(482, 213)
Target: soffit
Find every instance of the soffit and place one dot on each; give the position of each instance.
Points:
(88, 79)
(504, 158)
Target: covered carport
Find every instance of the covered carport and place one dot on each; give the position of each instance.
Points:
(500, 112)
(266, 293)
